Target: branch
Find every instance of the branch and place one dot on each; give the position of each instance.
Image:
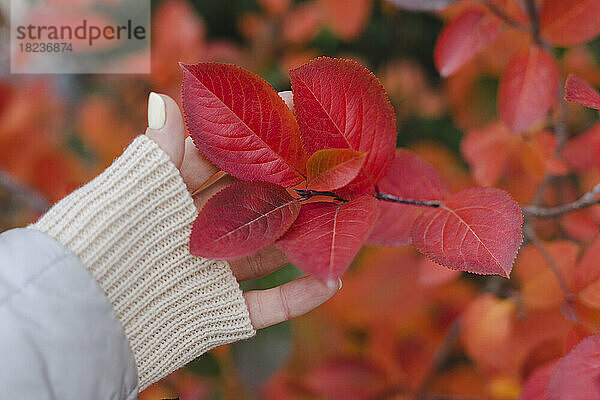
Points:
(569, 297)
(538, 197)
(560, 125)
(587, 200)
(505, 17)
(412, 202)
(440, 359)
(33, 198)
(532, 13)
(307, 194)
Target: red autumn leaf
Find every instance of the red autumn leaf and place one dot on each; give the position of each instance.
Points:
(590, 295)
(331, 169)
(577, 375)
(527, 88)
(240, 123)
(579, 225)
(412, 178)
(583, 151)
(241, 219)
(587, 280)
(476, 230)
(536, 385)
(464, 37)
(327, 236)
(487, 151)
(587, 268)
(543, 147)
(569, 22)
(578, 91)
(339, 104)
(539, 287)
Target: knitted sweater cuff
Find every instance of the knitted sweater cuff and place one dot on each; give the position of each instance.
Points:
(130, 227)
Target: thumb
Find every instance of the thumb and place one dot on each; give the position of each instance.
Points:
(165, 126)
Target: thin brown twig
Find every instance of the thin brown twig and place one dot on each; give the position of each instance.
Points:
(538, 197)
(412, 202)
(505, 17)
(569, 297)
(494, 286)
(587, 200)
(560, 132)
(308, 194)
(560, 125)
(560, 121)
(441, 356)
(532, 13)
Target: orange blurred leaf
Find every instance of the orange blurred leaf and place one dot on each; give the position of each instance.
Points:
(464, 37)
(569, 22)
(347, 18)
(527, 88)
(486, 326)
(539, 286)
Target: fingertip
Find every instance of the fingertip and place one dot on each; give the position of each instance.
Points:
(334, 284)
(290, 300)
(165, 126)
(288, 98)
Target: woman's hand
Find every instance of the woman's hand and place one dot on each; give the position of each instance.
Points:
(266, 307)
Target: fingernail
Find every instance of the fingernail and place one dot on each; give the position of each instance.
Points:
(288, 98)
(156, 111)
(332, 284)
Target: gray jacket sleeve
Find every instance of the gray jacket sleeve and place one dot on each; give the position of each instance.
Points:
(59, 336)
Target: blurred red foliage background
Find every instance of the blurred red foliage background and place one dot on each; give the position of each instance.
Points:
(402, 326)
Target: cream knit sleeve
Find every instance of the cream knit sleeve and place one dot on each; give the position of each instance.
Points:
(130, 227)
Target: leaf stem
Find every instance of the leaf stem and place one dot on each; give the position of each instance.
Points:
(441, 357)
(532, 13)
(587, 200)
(412, 202)
(569, 297)
(307, 194)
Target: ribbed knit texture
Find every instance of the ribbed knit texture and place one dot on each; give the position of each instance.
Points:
(130, 227)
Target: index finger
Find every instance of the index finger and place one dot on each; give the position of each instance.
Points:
(290, 300)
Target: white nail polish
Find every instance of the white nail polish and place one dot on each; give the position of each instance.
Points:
(156, 111)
